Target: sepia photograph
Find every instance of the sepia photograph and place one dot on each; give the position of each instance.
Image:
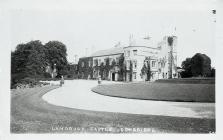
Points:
(113, 67)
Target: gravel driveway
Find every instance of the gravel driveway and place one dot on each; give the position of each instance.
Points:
(77, 94)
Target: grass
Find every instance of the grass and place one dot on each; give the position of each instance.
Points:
(194, 80)
(31, 114)
(160, 91)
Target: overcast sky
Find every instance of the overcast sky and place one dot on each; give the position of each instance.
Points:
(101, 25)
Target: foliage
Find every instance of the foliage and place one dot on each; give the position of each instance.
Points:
(28, 60)
(57, 54)
(201, 65)
(213, 72)
(198, 65)
(31, 59)
(86, 70)
(103, 68)
(71, 70)
(131, 71)
(146, 69)
(107, 67)
(186, 65)
(170, 41)
(122, 68)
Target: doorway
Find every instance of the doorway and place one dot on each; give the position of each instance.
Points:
(113, 76)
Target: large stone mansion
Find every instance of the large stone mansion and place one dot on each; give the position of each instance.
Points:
(132, 63)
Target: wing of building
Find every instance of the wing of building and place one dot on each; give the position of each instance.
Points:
(132, 63)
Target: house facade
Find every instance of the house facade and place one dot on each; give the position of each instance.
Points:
(132, 63)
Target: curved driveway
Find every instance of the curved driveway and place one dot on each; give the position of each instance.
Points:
(77, 94)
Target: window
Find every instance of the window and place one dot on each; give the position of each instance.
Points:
(159, 64)
(82, 64)
(110, 61)
(134, 64)
(135, 52)
(89, 63)
(99, 62)
(95, 62)
(106, 61)
(134, 75)
(153, 63)
(117, 60)
(128, 65)
(127, 53)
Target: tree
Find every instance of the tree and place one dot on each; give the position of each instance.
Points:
(198, 65)
(201, 65)
(212, 72)
(186, 65)
(57, 54)
(37, 60)
(28, 60)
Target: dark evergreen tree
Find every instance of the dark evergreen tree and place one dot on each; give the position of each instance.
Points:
(201, 65)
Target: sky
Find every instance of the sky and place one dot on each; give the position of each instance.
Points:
(102, 24)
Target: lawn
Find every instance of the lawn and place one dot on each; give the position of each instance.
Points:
(164, 91)
(31, 114)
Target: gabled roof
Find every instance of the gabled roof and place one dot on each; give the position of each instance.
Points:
(112, 51)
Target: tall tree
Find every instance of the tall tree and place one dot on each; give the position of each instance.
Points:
(28, 60)
(198, 65)
(201, 65)
(57, 54)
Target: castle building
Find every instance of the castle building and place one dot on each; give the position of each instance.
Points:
(132, 63)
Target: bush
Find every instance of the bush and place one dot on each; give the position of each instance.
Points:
(29, 81)
(47, 75)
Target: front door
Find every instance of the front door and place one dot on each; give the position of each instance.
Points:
(113, 76)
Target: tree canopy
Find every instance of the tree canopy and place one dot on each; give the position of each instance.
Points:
(198, 65)
(31, 59)
(201, 65)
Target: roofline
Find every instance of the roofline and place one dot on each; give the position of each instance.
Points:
(106, 55)
(85, 57)
(142, 46)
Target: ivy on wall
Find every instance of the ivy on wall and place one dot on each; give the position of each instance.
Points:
(91, 72)
(85, 71)
(146, 71)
